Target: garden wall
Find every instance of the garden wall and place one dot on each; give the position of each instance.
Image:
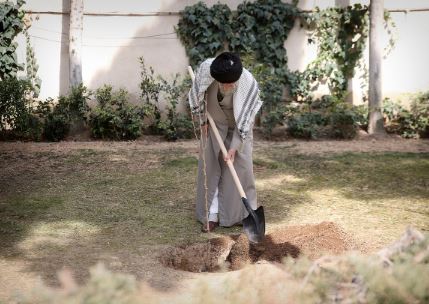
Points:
(113, 43)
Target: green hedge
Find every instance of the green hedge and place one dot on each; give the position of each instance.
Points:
(114, 117)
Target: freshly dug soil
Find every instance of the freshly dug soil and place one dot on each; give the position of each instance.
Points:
(234, 252)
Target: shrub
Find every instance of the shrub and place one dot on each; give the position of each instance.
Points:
(344, 121)
(56, 127)
(420, 110)
(176, 125)
(114, 117)
(279, 116)
(325, 117)
(151, 87)
(13, 102)
(391, 109)
(271, 120)
(71, 110)
(17, 120)
(269, 81)
(412, 123)
(361, 116)
(22, 118)
(173, 125)
(75, 104)
(324, 102)
(306, 125)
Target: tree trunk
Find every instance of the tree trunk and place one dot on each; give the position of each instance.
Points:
(375, 123)
(75, 43)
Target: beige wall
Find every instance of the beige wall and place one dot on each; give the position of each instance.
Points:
(110, 54)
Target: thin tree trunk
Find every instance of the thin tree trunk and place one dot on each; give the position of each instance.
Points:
(375, 123)
(75, 44)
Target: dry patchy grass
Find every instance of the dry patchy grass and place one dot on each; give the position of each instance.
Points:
(122, 203)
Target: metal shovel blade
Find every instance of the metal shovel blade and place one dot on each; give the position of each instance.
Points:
(254, 223)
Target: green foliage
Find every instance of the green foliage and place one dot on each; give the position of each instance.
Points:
(391, 109)
(272, 119)
(340, 34)
(259, 30)
(17, 120)
(174, 125)
(70, 109)
(204, 30)
(390, 27)
(361, 116)
(409, 123)
(278, 116)
(420, 109)
(22, 119)
(32, 67)
(75, 104)
(11, 24)
(151, 87)
(13, 102)
(269, 83)
(261, 27)
(56, 126)
(325, 117)
(114, 117)
(344, 121)
(306, 125)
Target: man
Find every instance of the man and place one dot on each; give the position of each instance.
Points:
(231, 95)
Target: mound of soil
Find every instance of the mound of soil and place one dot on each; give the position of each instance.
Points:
(234, 252)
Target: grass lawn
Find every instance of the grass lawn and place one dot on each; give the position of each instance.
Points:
(124, 203)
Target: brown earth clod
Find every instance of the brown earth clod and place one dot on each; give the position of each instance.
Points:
(235, 251)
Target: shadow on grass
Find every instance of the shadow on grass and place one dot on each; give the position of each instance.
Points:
(128, 209)
(369, 176)
(130, 213)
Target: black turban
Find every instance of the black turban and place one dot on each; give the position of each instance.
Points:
(226, 68)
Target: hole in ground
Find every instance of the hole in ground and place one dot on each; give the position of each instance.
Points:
(234, 252)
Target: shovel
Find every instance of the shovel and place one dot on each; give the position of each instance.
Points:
(254, 223)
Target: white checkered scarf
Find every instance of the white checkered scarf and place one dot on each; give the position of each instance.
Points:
(246, 98)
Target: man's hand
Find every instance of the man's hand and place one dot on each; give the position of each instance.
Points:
(230, 155)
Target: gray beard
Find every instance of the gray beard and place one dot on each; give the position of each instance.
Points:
(226, 92)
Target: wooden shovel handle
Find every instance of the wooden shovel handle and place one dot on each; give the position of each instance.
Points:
(222, 146)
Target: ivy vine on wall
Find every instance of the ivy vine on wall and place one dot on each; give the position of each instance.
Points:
(31, 66)
(258, 30)
(204, 30)
(262, 27)
(11, 24)
(340, 34)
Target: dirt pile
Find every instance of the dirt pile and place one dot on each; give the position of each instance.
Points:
(234, 252)
(199, 257)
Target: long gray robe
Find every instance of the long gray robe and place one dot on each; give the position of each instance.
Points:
(231, 209)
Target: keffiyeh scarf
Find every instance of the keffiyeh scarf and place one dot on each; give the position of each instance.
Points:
(246, 97)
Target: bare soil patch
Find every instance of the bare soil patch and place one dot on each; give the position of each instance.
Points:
(234, 252)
